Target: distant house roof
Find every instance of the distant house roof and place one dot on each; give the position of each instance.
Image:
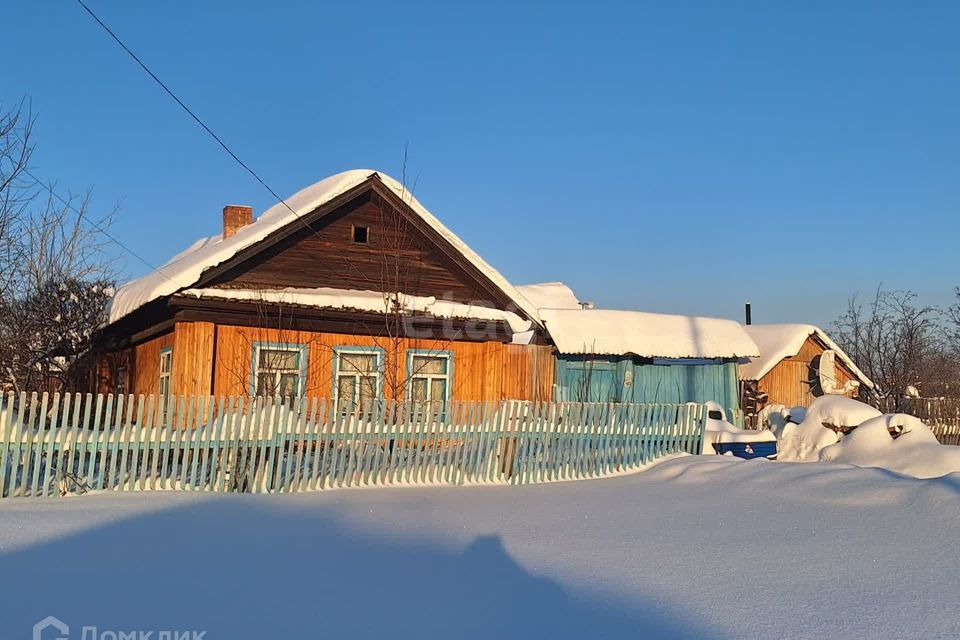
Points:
(185, 269)
(550, 295)
(779, 341)
(648, 335)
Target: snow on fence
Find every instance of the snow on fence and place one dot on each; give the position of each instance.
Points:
(53, 445)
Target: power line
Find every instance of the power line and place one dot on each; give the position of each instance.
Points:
(96, 225)
(197, 119)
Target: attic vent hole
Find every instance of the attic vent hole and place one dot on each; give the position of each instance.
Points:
(360, 235)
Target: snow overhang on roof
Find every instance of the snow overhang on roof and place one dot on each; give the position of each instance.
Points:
(185, 269)
(550, 295)
(779, 341)
(367, 301)
(648, 335)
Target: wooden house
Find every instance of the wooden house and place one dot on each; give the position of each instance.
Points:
(349, 290)
(797, 363)
(630, 356)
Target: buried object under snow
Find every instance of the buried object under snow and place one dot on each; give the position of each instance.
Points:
(723, 438)
(747, 450)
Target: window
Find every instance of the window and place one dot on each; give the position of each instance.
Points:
(166, 368)
(429, 374)
(163, 382)
(356, 384)
(361, 235)
(278, 370)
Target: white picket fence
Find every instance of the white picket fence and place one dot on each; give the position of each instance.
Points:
(52, 445)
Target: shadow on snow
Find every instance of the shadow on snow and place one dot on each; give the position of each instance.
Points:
(240, 569)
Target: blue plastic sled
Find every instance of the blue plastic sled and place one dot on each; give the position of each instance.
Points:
(748, 450)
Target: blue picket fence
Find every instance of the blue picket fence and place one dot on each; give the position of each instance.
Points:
(56, 445)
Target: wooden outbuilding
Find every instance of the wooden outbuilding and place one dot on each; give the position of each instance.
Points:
(797, 363)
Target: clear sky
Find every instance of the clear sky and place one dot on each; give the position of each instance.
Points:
(664, 156)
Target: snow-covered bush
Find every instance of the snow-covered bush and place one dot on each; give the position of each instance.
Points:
(820, 426)
(897, 442)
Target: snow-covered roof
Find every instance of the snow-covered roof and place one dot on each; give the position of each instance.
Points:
(779, 341)
(648, 335)
(550, 295)
(373, 301)
(185, 269)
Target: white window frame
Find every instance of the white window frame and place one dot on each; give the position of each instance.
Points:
(376, 373)
(300, 369)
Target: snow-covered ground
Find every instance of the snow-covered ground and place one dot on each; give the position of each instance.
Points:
(696, 547)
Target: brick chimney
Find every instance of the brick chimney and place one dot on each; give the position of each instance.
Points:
(235, 217)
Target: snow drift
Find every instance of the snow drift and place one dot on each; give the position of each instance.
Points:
(897, 442)
(821, 426)
(697, 548)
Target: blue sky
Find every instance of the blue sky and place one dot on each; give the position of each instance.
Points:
(671, 156)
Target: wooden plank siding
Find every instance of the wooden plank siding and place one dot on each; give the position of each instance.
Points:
(605, 379)
(398, 256)
(141, 363)
(788, 382)
(193, 358)
(217, 360)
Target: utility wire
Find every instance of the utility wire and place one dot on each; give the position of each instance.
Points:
(183, 106)
(202, 124)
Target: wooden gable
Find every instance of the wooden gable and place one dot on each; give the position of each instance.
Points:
(788, 383)
(402, 253)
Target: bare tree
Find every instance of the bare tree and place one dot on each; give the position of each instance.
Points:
(952, 328)
(16, 188)
(896, 341)
(55, 274)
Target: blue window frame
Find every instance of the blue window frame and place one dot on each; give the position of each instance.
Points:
(429, 379)
(357, 378)
(278, 369)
